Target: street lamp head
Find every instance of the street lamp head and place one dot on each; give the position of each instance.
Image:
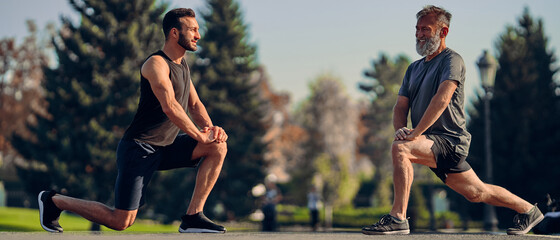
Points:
(487, 67)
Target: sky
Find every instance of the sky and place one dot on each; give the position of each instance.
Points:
(299, 40)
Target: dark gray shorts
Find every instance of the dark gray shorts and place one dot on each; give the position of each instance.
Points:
(447, 159)
(137, 161)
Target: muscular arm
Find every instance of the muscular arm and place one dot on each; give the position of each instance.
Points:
(400, 112)
(156, 71)
(438, 104)
(197, 110)
(201, 118)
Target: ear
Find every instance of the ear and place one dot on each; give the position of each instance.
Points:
(444, 31)
(175, 32)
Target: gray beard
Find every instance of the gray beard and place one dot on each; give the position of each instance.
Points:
(430, 46)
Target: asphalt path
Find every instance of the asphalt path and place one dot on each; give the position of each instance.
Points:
(258, 236)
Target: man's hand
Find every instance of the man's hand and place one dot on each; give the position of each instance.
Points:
(215, 134)
(402, 133)
(412, 135)
(405, 134)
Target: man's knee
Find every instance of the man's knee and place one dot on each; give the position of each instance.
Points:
(474, 196)
(398, 151)
(218, 150)
(121, 225)
(121, 222)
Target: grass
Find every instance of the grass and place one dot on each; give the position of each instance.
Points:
(27, 220)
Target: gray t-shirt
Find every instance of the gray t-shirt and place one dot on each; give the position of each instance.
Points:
(420, 84)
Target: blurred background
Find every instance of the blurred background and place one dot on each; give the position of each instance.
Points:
(305, 90)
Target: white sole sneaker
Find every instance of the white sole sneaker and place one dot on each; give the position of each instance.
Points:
(199, 230)
(41, 210)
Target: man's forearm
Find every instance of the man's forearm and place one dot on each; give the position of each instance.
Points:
(179, 117)
(437, 105)
(200, 116)
(432, 113)
(400, 114)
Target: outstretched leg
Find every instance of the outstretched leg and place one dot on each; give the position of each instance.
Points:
(473, 189)
(116, 219)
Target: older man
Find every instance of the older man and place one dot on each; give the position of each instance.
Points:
(432, 91)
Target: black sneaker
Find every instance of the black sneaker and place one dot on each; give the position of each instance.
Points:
(198, 223)
(48, 212)
(524, 222)
(387, 225)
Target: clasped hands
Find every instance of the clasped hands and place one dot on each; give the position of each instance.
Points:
(215, 134)
(405, 134)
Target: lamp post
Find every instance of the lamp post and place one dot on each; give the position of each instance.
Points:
(487, 67)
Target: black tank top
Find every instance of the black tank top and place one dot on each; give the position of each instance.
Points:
(150, 124)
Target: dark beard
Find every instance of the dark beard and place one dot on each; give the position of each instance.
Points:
(184, 43)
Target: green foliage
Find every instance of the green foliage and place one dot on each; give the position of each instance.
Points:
(222, 77)
(349, 217)
(386, 76)
(329, 117)
(91, 95)
(339, 185)
(524, 115)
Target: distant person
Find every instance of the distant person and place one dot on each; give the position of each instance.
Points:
(432, 90)
(272, 197)
(313, 201)
(152, 142)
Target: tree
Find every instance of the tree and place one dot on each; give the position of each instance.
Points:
(386, 76)
(330, 119)
(92, 95)
(21, 95)
(524, 114)
(222, 75)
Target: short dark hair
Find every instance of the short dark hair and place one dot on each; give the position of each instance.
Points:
(443, 16)
(171, 19)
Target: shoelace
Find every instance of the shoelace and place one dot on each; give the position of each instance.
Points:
(520, 221)
(384, 220)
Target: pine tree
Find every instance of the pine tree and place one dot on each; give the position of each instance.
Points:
(524, 115)
(92, 95)
(223, 80)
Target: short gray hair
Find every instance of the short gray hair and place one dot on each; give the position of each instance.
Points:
(443, 16)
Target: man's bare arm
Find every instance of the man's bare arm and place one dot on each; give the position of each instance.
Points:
(438, 104)
(400, 112)
(400, 117)
(156, 70)
(197, 110)
(201, 118)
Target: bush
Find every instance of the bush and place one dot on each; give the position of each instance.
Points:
(290, 215)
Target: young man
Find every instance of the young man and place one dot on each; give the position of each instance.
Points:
(152, 142)
(432, 90)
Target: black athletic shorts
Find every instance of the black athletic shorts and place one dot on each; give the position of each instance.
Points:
(137, 161)
(447, 158)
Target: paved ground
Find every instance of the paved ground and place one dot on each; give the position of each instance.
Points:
(258, 236)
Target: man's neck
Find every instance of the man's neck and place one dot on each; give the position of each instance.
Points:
(437, 52)
(174, 52)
